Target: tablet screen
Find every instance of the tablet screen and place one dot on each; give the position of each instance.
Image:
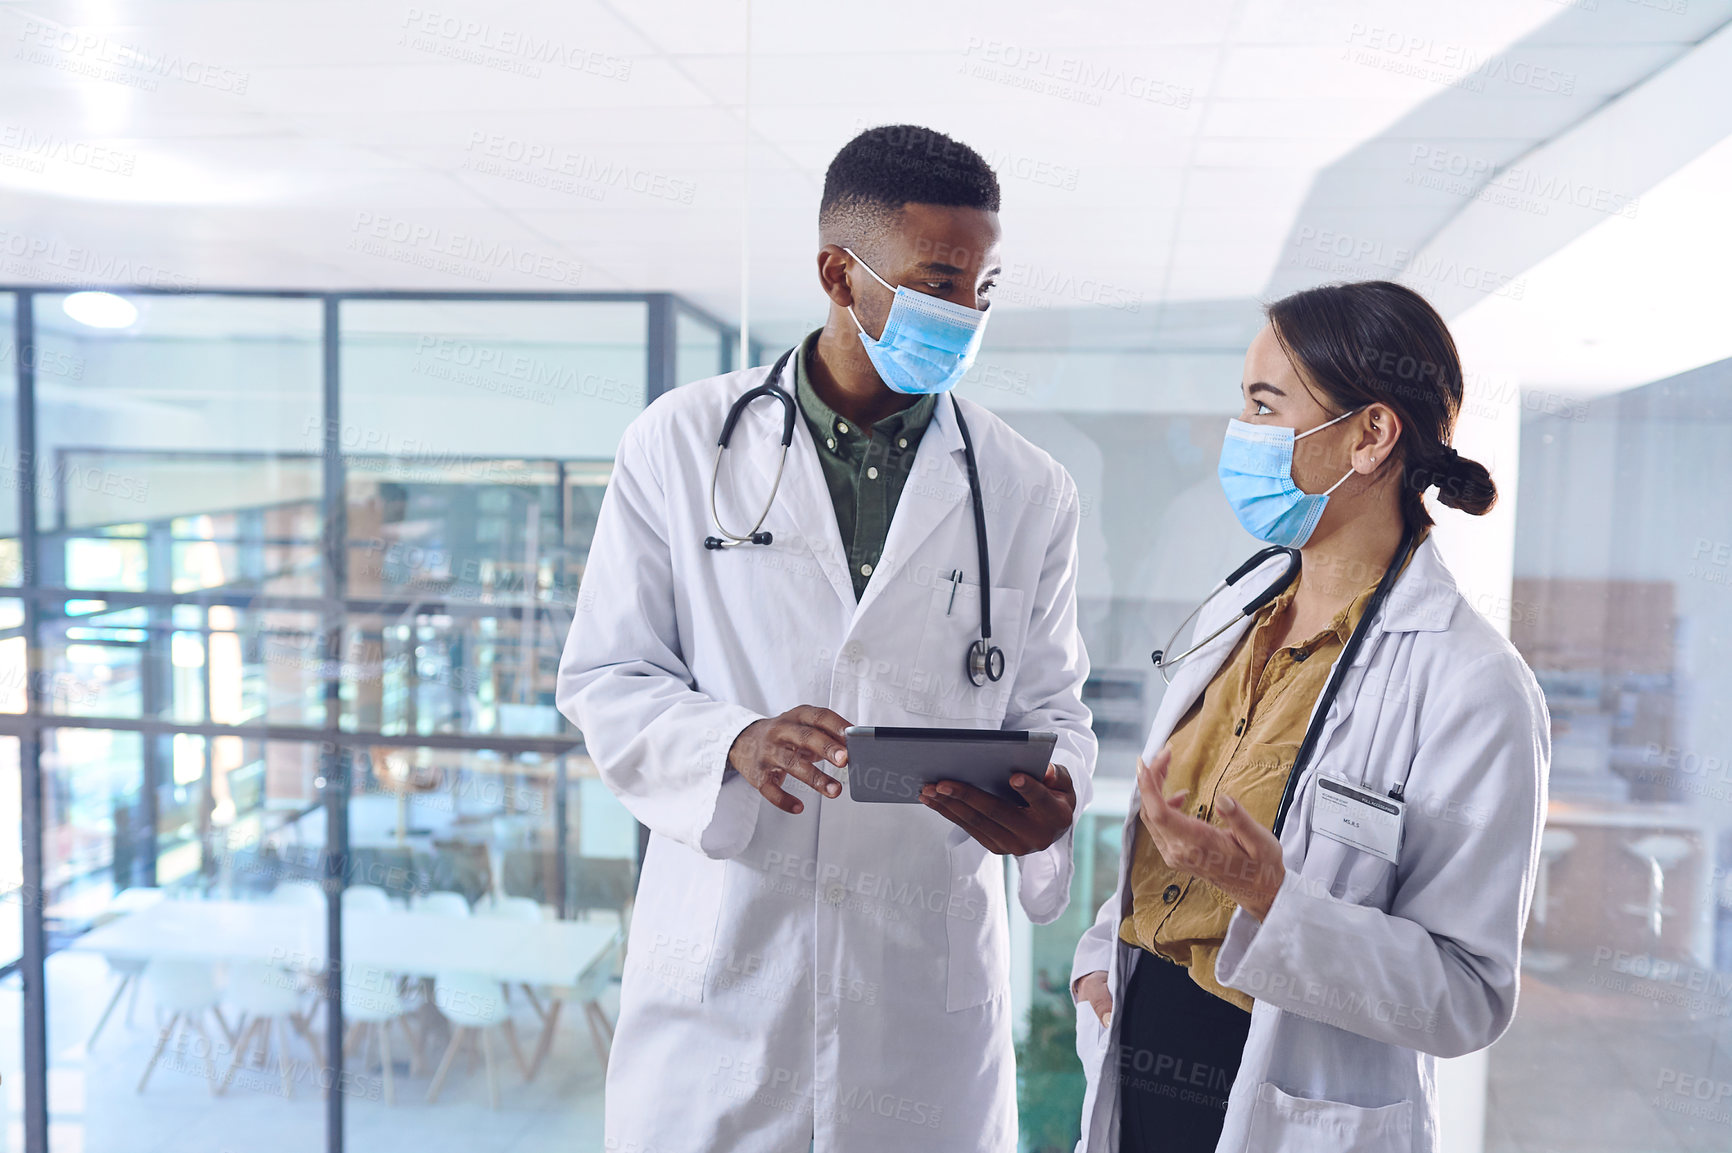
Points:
(890, 765)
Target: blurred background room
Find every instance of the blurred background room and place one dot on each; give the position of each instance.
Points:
(320, 323)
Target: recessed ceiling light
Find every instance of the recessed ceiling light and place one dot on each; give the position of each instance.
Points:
(100, 309)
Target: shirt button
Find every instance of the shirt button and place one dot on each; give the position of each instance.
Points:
(1300, 654)
(871, 474)
(1239, 729)
(1201, 809)
(1170, 894)
(842, 427)
(902, 442)
(835, 894)
(865, 570)
(830, 443)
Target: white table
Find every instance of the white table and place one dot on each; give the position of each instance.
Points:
(411, 944)
(555, 955)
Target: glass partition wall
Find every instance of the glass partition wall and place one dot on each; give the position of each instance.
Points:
(284, 580)
(298, 843)
(297, 839)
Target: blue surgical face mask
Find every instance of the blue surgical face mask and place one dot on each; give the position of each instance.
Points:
(927, 344)
(1257, 475)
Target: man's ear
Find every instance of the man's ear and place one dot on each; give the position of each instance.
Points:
(833, 265)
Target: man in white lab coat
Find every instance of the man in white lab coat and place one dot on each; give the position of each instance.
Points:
(805, 970)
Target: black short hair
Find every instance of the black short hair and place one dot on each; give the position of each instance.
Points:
(883, 168)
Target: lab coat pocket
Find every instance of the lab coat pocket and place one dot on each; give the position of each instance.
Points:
(1353, 875)
(941, 688)
(1283, 1123)
(977, 927)
(674, 938)
(1091, 1037)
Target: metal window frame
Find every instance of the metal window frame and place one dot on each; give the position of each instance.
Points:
(660, 349)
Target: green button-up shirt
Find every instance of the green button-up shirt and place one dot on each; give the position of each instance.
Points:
(865, 471)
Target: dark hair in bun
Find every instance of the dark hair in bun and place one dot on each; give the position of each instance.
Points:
(1375, 342)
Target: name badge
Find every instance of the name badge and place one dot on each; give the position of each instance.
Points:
(1358, 817)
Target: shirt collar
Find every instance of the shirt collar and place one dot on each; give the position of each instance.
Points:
(907, 423)
(1345, 621)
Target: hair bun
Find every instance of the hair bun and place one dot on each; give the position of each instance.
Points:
(1464, 483)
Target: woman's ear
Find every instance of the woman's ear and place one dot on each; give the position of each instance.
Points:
(1382, 431)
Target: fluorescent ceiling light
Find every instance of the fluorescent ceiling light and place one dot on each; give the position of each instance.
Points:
(1638, 298)
(100, 309)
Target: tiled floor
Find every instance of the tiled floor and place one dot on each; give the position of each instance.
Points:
(1584, 1069)
(94, 1107)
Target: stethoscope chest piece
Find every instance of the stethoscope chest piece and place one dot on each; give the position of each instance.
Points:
(985, 663)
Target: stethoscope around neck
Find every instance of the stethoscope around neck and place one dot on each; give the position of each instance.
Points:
(1349, 651)
(1166, 663)
(984, 663)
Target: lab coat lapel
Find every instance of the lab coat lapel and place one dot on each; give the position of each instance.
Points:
(1194, 675)
(1423, 600)
(803, 516)
(1189, 681)
(937, 488)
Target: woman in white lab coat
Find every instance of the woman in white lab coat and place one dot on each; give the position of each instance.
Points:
(1382, 929)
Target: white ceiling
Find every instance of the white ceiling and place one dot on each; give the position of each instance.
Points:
(1192, 152)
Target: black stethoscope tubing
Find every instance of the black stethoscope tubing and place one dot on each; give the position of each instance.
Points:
(985, 660)
(771, 389)
(1314, 730)
(1159, 656)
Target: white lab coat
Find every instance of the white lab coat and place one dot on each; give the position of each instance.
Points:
(1365, 972)
(841, 975)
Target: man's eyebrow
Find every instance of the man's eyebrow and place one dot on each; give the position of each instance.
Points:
(940, 267)
(1265, 386)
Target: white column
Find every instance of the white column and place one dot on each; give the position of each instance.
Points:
(1480, 551)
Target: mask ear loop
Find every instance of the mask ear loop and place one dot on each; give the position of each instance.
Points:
(1320, 428)
(876, 277)
(1340, 482)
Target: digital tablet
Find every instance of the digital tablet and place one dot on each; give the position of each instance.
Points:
(892, 765)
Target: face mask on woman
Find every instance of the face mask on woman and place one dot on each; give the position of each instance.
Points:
(1256, 473)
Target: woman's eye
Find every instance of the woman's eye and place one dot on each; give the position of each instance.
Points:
(1260, 409)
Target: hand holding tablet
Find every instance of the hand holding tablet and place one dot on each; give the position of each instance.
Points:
(892, 765)
(996, 785)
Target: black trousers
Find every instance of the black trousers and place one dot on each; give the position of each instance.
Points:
(1179, 1050)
